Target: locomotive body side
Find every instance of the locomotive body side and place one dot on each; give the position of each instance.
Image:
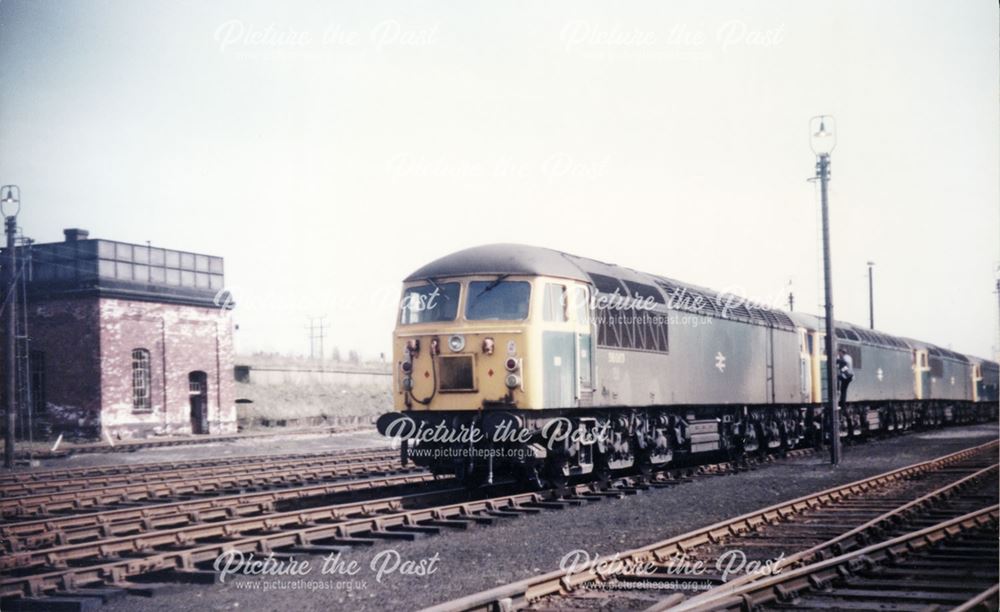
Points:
(708, 361)
(986, 379)
(588, 367)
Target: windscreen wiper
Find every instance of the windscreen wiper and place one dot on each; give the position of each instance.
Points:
(438, 287)
(492, 284)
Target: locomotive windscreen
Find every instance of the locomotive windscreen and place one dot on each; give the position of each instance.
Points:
(429, 303)
(498, 300)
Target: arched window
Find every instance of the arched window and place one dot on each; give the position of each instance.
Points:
(141, 388)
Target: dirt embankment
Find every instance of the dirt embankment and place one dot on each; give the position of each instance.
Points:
(300, 392)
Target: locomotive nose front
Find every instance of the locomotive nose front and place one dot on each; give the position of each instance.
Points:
(459, 371)
(459, 343)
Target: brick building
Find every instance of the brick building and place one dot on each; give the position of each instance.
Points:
(127, 339)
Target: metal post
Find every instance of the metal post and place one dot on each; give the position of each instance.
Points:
(9, 348)
(871, 296)
(832, 407)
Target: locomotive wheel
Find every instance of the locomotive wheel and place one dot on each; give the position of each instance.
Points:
(471, 479)
(531, 477)
(555, 475)
(645, 467)
(602, 473)
(735, 454)
(602, 477)
(751, 440)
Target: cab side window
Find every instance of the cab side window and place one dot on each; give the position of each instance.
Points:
(556, 306)
(582, 299)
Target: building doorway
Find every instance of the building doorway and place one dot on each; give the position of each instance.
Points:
(198, 396)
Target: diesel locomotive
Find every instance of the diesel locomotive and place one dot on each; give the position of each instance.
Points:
(526, 361)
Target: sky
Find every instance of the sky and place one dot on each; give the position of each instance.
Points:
(328, 149)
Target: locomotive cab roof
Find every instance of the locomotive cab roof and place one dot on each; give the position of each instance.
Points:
(515, 259)
(519, 259)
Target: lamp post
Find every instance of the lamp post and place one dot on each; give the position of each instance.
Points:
(822, 142)
(10, 205)
(871, 296)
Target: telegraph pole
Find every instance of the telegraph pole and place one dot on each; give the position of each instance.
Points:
(822, 144)
(317, 329)
(10, 205)
(322, 327)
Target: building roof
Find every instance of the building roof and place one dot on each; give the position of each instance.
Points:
(82, 266)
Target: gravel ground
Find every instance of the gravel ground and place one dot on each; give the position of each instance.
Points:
(484, 557)
(269, 445)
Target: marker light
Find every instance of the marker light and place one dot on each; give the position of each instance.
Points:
(512, 381)
(510, 364)
(406, 367)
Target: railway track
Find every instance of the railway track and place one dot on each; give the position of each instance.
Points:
(103, 550)
(76, 528)
(951, 564)
(15, 477)
(127, 446)
(77, 482)
(174, 488)
(820, 526)
(113, 561)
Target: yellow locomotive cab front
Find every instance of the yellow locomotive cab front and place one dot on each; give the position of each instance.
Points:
(464, 344)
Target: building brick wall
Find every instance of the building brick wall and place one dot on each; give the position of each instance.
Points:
(67, 334)
(87, 345)
(180, 339)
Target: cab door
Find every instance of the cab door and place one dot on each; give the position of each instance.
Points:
(921, 373)
(806, 366)
(584, 345)
(819, 368)
(559, 347)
